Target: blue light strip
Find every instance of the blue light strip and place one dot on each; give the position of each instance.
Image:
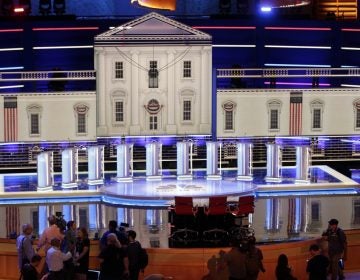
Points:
(297, 65)
(12, 68)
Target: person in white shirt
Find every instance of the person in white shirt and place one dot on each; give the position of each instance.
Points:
(55, 260)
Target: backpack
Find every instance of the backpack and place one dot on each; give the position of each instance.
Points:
(143, 258)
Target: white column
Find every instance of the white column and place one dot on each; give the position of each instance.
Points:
(44, 213)
(93, 217)
(205, 91)
(135, 106)
(45, 172)
(95, 165)
(171, 126)
(101, 92)
(68, 212)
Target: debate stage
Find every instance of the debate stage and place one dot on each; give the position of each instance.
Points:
(160, 193)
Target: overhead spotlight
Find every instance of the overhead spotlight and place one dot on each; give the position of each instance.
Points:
(265, 9)
(59, 7)
(44, 7)
(156, 4)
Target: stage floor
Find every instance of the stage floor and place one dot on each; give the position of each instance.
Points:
(22, 188)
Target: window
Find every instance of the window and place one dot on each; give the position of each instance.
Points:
(316, 115)
(81, 125)
(357, 114)
(34, 124)
(316, 118)
(153, 122)
(83, 217)
(357, 118)
(119, 111)
(187, 110)
(229, 120)
(35, 221)
(187, 69)
(229, 108)
(81, 111)
(356, 212)
(34, 115)
(315, 211)
(274, 119)
(274, 108)
(153, 75)
(153, 108)
(119, 70)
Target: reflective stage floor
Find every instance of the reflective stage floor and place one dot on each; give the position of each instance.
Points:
(22, 188)
(284, 211)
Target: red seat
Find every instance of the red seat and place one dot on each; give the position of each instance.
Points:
(217, 205)
(245, 206)
(184, 206)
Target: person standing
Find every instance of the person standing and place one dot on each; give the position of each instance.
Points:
(336, 239)
(283, 270)
(254, 260)
(121, 236)
(24, 246)
(134, 255)
(82, 254)
(48, 234)
(69, 237)
(55, 260)
(29, 270)
(236, 261)
(114, 263)
(317, 264)
(68, 244)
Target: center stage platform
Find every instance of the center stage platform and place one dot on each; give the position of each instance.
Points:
(21, 188)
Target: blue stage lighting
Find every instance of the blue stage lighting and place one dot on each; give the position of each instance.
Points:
(265, 9)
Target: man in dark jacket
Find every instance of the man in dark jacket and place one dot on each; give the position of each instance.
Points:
(336, 239)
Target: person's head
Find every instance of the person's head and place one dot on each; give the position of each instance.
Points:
(112, 225)
(333, 224)
(251, 241)
(111, 240)
(55, 242)
(314, 249)
(71, 225)
(27, 229)
(82, 233)
(131, 234)
(283, 261)
(52, 220)
(35, 260)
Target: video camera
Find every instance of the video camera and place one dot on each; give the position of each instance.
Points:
(60, 222)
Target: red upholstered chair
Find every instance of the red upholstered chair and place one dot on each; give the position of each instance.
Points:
(245, 206)
(184, 205)
(217, 206)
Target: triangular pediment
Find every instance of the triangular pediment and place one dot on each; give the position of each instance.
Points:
(153, 28)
